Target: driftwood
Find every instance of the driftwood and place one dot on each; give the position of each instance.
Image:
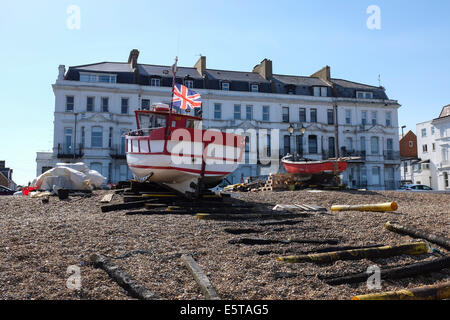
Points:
(202, 280)
(248, 241)
(122, 278)
(393, 273)
(416, 248)
(434, 292)
(442, 241)
(128, 205)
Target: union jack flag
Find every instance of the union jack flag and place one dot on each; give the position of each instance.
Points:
(184, 98)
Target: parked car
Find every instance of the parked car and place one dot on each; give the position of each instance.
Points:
(415, 187)
(4, 191)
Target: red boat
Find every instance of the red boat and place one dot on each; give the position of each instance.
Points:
(310, 167)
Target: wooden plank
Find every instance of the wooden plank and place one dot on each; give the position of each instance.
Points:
(442, 241)
(107, 198)
(123, 206)
(200, 277)
(122, 278)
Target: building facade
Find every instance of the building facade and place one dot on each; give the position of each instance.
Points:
(409, 158)
(6, 178)
(433, 150)
(94, 108)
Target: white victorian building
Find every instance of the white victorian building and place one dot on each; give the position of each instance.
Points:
(94, 107)
(433, 141)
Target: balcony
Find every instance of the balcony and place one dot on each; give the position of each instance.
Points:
(391, 155)
(117, 152)
(353, 153)
(69, 151)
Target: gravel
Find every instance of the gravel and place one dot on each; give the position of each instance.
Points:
(39, 241)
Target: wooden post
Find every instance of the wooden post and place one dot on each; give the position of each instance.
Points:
(379, 207)
(434, 292)
(442, 241)
(122, 278)
(200, 277)
(416, 248)
(393, 273)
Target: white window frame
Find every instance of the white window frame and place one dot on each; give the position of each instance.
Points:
(95, 77)
(254, 88)
(155, 82)
(348, 116)
(217, 110)
(225, 86)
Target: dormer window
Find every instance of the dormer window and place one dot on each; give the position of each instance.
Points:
(155, 82)
(189, 83)
(103, 78)
(225, 86)
(254, 88)
(320, 91)
(364, 95)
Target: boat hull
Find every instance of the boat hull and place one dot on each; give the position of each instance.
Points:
(314, 167)
(178, 164)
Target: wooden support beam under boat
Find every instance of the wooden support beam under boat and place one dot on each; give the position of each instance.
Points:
(416, 248)
(433, 292)
(439, 240)
(400, 272)
(122, 278)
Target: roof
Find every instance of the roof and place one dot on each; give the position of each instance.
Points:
(166, 71)
(105, 67)
(300, 80)
(235, 76)
(240, 80)
(445, 111)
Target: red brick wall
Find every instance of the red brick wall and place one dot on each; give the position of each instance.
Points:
(408, 145)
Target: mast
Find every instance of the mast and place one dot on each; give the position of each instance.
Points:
(174, 72)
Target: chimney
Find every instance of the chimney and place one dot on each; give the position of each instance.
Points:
(323, 74)
(200, 65)
(61, 71)
(133, 58)
(2, 164)
(264, 69)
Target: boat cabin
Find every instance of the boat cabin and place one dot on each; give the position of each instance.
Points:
(158, 117)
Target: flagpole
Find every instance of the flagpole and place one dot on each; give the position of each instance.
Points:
(174, 72)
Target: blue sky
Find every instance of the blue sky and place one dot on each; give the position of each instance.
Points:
(410, 51)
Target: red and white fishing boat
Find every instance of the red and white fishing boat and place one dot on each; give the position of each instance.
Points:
(172, 149)
(313, 167)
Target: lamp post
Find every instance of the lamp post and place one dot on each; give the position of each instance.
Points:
(302, 133)
(403, 127)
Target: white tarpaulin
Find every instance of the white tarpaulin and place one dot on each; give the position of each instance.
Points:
(69, 176)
